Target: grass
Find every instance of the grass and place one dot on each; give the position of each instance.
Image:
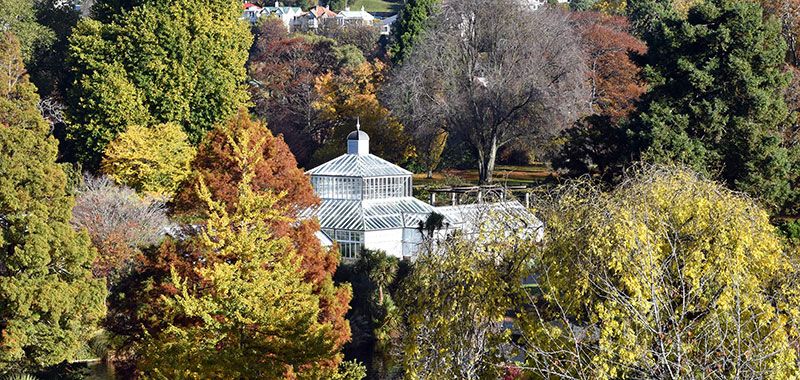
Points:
(383, 6)
(511, 175)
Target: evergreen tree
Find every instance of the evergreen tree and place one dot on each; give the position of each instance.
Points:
(410, 25)
(156, 63)
(49, 303)
(717, 102)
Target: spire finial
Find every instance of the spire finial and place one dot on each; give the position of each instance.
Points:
(358, 123)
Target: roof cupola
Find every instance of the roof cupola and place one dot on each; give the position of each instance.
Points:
(358, 141)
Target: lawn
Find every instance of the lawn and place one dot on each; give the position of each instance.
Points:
(380, 6)
(503, 174)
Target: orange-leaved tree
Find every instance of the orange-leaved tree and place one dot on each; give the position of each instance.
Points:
(277, 171)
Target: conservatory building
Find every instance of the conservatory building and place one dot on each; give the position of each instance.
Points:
(367, 202)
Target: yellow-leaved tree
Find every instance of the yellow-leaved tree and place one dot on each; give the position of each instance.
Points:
(151, 159)
(345, 98)
(242, 309)
(667, 276)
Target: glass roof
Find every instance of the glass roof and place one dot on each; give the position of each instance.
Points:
(506, 216)
(370, 215)
(359, 165)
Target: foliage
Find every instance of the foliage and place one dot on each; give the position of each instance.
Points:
(18, 98)
(465, 77)
(285, 71)
(49, 302)
(364, 37)
(19, 17)
(410, 27)
(716, 102)
(218, 165)
(346, 100)
(454, 300)
(118, 221)
(153, 160)
(599, 143)
(668, 276)
(246, 311)
(156, 63)
(613, 76)
(48, 69)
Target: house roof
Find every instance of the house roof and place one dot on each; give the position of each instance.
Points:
(370, 215)
(362, 14)
(503, 216)
(284, 10)
(322, 12)
(389, 20)
(358, 165)
(249, 5)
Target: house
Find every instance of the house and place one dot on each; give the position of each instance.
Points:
(315, 19)
(367, 203)
(285, 14)
(386, 25)
(348, 17)
(252, 12)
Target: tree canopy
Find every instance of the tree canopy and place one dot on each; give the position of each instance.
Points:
(465, 76)
(156, 63)
(50, 305)
(249, 310)
(669, 275)
(152, 160)
(716, 102)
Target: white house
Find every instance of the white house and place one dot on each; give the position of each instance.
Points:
(286, 14)
(367, 203)
(348, 17)
(386, 25)
(252, 12)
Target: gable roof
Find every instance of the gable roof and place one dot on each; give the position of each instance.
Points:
(321, 12)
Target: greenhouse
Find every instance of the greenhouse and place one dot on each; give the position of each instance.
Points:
(367, 202)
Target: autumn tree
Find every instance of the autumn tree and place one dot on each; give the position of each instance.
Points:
(668, 276)
(285, 71)
(614, 78)
(247, 309)
(276, 171)
(152, 160)
(716, 101)
(119, 222)
(466, 75)
(50, 304)
(597, 143)
(346, 100)
(155, 63)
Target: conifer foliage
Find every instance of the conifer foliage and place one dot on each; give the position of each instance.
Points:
(49, 302)
(716, 102)
(245, 310)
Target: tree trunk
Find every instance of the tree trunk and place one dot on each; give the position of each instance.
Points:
(486, 157)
